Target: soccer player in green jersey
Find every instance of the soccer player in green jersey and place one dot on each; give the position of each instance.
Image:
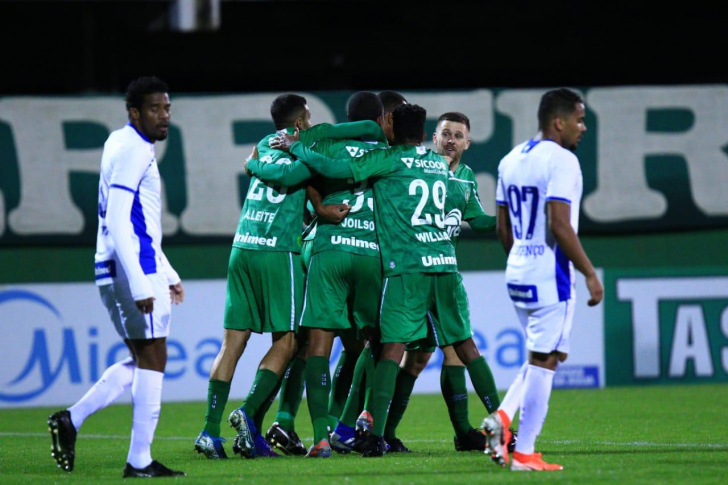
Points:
(265, 281)
(451, 139)
(418, 259)
(344, 273)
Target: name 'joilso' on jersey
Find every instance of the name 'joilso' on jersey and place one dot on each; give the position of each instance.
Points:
(535, 172)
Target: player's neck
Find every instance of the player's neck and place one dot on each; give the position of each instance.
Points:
(553, 136)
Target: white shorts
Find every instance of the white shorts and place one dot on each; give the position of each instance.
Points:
(548, 328)
(130, 323)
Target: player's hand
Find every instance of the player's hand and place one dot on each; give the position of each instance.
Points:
(596, 290)
(176, 293)
(284, 141)
(333, 213)
(253, 154)
(145, 306)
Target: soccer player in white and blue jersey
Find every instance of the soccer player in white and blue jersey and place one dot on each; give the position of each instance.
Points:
(136, 282)
(538, 195)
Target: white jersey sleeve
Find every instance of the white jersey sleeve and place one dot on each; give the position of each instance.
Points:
(172, 276)
(565, 174)
(129, 239)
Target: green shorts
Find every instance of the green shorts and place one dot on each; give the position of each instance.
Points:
(342, 291)
(416, 305)
(264, 291)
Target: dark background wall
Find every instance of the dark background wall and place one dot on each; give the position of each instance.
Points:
(64, 47)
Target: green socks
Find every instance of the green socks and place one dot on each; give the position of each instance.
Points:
(484, 384)
(291, 394)
(385, 378)
(340, 385)
(402, 392)
(318, 387)
(217, 396)
(260, 414)
(263, 385)
(354, 402)
(455, 392)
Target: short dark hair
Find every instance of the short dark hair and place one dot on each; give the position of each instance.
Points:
(561, 101)
(409, 122)
(390, 100)
(286, 109)
(455, 117)
(364, 105)
(139, 88)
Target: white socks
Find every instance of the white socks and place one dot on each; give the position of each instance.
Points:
(146, 393)
(115, 380)
(536, 393)
(513, 398)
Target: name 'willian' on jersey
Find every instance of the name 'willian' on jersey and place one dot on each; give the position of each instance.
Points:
(538, 273)
(128, 163)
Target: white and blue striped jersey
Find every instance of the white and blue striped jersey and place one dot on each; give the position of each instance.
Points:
(538, 273)
(128, 163)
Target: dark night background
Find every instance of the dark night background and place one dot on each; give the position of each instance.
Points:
(70, 47)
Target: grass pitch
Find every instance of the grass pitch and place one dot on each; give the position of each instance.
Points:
(666, 434)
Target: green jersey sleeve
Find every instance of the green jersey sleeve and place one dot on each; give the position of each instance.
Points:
(475, 215)
(357, 129)
(284, 171)
(371, 164)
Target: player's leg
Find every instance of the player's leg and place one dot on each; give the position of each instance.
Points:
(548, 335)
(239, 319)
(64, 425)
(325, 313)
(343, 437)
(277, 298)
(318, 387)
(282, 433)
(451, 319)
(455, 392)
(547, 339)
(148, 339)
(249, 443)
(364, 300)
(343, 375)
(415, 361)
(402, 319)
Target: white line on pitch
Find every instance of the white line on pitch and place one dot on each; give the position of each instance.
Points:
(637, 444)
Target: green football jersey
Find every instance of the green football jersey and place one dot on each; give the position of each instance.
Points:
(463, 204)
(272, 214)
(409, 207)
(356, 233)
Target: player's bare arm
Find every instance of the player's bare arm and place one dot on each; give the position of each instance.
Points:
(331, 213)
(503, 228)
(559, 214)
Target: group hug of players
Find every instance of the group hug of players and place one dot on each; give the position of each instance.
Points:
(377, 268)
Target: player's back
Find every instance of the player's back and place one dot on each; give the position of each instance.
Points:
(535, 172)
(410, 214)
(356, 233)
(272, 215)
